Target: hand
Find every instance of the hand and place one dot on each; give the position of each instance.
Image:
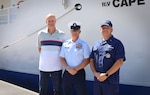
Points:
(102, 77)
(72, 71)
(96, 74)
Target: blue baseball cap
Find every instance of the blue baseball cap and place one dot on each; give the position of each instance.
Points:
(106, 22)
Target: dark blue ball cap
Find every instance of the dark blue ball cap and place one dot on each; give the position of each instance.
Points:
(106, 22)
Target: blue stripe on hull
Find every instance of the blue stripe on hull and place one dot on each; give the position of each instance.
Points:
(30, 81)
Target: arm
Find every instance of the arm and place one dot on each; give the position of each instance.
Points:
(39, 50)
(83, 64)
(72, 71)
(86, 59)
(96, 74)
(115, 67)
(112, 70)
(120, 56)
(102, 76)
(63, 62)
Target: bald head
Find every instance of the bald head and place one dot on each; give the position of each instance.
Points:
(50, 15)
(50, 20)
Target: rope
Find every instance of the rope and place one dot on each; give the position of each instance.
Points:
(17, 41)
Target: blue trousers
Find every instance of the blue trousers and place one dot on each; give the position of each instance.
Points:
(56, 82)
(105, 88)
(74, 82)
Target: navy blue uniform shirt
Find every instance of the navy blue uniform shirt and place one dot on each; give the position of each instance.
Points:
(105, 54)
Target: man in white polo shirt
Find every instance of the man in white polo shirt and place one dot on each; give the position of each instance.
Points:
(74, 57)
(49, 44)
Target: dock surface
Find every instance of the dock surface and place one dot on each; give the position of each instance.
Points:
(11, 89)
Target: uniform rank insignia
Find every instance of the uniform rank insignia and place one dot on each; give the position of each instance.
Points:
(79, 46)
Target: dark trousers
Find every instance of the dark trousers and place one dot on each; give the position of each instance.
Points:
(105, 88)
(74, 82)
(56, 82)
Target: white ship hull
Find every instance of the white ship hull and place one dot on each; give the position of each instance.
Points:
(18, 37)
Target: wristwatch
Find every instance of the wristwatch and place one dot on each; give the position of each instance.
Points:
(106, 74)
(67, 68)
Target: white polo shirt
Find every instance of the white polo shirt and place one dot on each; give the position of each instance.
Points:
(50, 45)
(75, 52)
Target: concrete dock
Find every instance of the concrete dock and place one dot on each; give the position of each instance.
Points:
(11, 89)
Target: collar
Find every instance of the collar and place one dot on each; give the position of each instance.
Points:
(110, 39)
(56, 31)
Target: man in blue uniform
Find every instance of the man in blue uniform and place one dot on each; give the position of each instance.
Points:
(106, 58)
(74, 57)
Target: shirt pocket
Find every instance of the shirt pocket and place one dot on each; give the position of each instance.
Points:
(79, 52)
